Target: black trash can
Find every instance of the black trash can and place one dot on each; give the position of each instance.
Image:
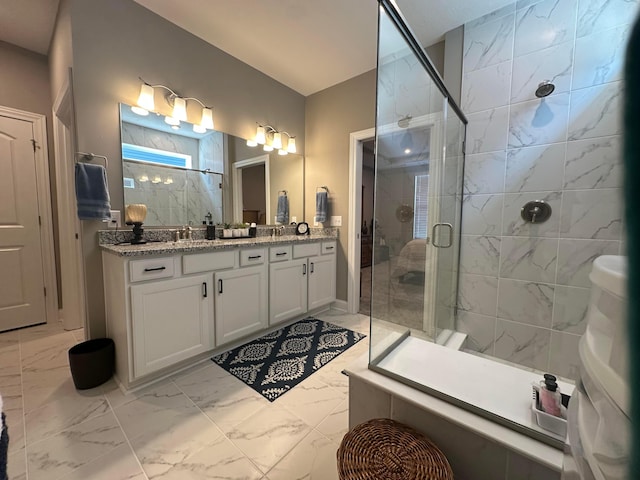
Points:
(92, 362)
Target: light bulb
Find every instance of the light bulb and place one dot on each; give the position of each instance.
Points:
(207, 118)
(143, 178)
(199, 128)
(291, 146)
(145, 100)
(175, 127)
(267, 148)
(282, 152)
(156, 180)
(252, 143)
(277, 140)
(171, 121)
(179, 109)
(140, 111)
(261, 138)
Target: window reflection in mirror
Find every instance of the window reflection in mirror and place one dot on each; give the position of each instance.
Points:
(183, 176)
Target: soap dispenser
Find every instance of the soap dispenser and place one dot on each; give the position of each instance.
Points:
(211, 231)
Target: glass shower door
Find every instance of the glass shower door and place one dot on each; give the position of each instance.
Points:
(418, 181)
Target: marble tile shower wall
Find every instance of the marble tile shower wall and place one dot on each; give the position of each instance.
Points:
(524, 289)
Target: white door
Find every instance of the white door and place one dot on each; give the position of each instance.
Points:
(322, 280)
(22, 295)
(241, 303)
(171, 321)
(287, 290)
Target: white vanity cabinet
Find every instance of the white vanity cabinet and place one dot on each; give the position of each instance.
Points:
(241, 301)
(169, 308)
(321, 281)
(306, 282)
(171, 321)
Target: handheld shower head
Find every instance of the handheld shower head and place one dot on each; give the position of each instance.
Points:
(545, 89)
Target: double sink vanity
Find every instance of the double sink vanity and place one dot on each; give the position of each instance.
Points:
(170, 304)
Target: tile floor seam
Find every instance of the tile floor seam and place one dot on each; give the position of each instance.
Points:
(126, 437)
(24, 422)
(311, 430)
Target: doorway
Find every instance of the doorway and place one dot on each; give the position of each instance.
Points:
(251, 191)
(367, 225)
(28, 288)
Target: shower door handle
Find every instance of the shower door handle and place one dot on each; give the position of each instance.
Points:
(434, 237)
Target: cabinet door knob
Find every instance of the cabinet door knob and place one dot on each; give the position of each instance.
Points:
(220, 286)
(204, 289)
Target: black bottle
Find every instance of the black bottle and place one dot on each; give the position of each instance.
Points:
(211, 231)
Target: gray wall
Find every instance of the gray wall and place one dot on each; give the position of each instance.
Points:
(524, 288)
(115, 42)
(331, 115)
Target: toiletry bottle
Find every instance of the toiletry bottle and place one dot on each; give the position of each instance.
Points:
(211, 231)
(550, 397)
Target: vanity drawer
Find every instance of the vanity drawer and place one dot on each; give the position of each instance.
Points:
(255, 256)
(279, 254)
(151, 269)
(206, 262)
(306, 250)
(328, 247)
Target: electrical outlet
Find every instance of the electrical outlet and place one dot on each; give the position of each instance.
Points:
(116, 220)
(315, 221)
(336, 221)
(294, 219)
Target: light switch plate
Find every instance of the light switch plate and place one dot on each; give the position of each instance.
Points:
(116, 220)
(294, 219)
(336, 221)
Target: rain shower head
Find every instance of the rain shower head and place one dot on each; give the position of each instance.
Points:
(545, 89)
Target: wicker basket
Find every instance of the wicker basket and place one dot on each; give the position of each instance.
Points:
(383, 449)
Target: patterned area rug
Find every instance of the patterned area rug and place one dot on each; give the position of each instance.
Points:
(275, 363)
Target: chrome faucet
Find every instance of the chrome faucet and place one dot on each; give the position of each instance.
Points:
(185, 233)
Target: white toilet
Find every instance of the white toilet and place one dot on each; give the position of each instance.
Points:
(599, 412)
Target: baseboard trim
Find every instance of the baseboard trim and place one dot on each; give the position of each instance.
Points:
(341, 305)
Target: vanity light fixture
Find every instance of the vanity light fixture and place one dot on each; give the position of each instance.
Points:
(271, 139)
(179, 113)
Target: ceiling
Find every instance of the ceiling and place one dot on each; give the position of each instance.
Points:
(307, 45)
(28, 23)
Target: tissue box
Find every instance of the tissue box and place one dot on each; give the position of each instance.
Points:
(552, 423)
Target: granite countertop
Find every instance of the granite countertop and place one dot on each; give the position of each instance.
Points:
(193, 246)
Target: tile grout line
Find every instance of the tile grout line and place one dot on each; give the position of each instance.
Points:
(126, 437)
(224, 434)
(24, 416)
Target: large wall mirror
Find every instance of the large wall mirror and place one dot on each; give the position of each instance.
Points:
(185, 177)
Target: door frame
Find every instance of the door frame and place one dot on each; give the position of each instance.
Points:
(237, 185)
(70, 231)
(356, 139)
(41, 156)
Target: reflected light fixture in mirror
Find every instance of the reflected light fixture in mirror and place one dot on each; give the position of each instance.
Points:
(146, 104)
(275, 142)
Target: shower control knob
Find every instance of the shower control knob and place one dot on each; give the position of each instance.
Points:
(537, 211)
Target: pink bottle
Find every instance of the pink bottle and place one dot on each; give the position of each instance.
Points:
(550, 397)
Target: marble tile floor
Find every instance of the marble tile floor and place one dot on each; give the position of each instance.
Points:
(199, 424)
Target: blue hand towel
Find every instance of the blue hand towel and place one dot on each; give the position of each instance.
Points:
(92, 192)
(322, 199)
(282, 216)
